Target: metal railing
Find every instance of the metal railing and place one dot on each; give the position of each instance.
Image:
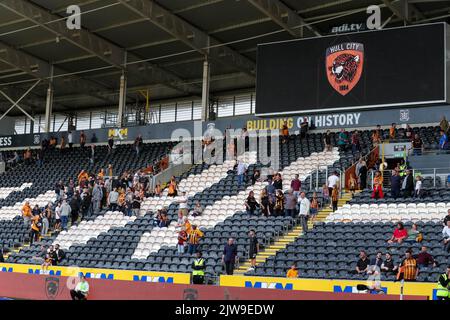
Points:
(435, 174)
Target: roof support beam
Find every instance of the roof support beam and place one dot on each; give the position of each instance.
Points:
(190, 35)
(402, 9)
(277, 11)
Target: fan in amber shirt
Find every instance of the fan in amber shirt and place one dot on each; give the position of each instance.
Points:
(26, 212)
(292, 272)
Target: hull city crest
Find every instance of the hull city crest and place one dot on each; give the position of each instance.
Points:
(344, 65)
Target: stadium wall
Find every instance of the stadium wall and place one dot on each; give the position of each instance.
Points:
(331, 120)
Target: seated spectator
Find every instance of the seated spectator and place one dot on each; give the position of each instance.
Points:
(447, 218)
(251, 204)
(198, 209)
(388, 265)
(47, 262)
(173, 187)
(399, 235)
(363, 263)
(164, 221)
(158, 190)
(418, 191)
(256, 176)
(356, 146)
(342, 140)
(377, 192)
(375, 263)
(424, 259)
(314, 207)
(278, 182)
(414, 235)
(409, 133)
(446, 235)
(292, 272)
(417, 145)
(27, 156)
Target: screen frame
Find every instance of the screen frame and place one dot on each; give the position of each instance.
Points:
(444, 25)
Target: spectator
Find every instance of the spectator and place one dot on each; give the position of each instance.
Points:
(47, 262)
(399, 235)
(375, 264)
(198, 269)
(198, 209)
(86, 201)
(342, 140)
(251, 204)
(333, 181)
(58, 217)
(253, 249)
(284, 133)
(110, 144)
(163, 221)
(256, 176)
(444, 124)
(388, 265)
(82, 139)
(414, 235)
(195, 235)
(136, 204)
(138, 142)
(278, 182)
(181, 220)
(290, 204)
(230, 256)
(265, 203)
(443, 289)
(45, 223)
(408, 270)
(418, 191)
(417, 145)
(408, 184)
(395, 184)
(292, 272)
(443, 141)
(113, 198)
(392, 131)
(59, 255)
(36, 211)
(362, 266)
(240, 171)
(27, 157)
(94, 138)
(182, 239)
(352, 184)
(65, 212)
(304, 128)
(424, 259)
(279, 203)
(70, 139)
(363, 176)
(327, 141)
(97, 195)
(409, 133)
(356, 146)
(325, 195)
(182, 201)
(304, 211)
(81, 290)
(75, 207)
(296, 185)
(377, 192)
(314, 206)
(446, 235)
(447, 218)
(376, 136)
(173, 187)
(335, 198)
(35, 228)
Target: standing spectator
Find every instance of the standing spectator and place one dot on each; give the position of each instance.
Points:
(182, 201)
(327, 141)
(92, 156)
(138, 142)
(35, 228)
(62, 146)
(377, 192)
(342, 140)
(291, 203)
(399, 235)
(326, 195)
(388, 265)
(250, 203)
(444, 124)
(409, 133)
(408, 185)
(446, 235)
(304, 128)
(45, 223)
(376, 136)
(253, 249)
(86, 200)
(392, 131)
(395, 184)
(70, 139)
(81, 290)
(198, 269)
(296, 185)
(264, 203)
(408, 270)
(240, 171)
(356, 146)
(424, 259)
(110, 144)
(443, 140)
(279, 203)
(256, 176)
(136, 204)
(82, 139)
(230, 256)
(284, 133)
(75, 207)
(58, 217)
(333, 181)
(292, 272)
(443, 289)
(278, 182)
(97, 195)
(418, 191)
(314, 207)
(65, 212)
(173, 187)
(113, 197)
(363, 176)
(304, 211)
(362, 266)
(352, 183)
(182, 238)
(59, 254)
(335, 198)
(195, 235)
(417, 145)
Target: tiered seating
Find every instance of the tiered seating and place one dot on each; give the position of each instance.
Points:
(439, 194)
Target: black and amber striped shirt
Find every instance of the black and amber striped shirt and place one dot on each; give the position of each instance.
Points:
(409, 269)
(195, 236)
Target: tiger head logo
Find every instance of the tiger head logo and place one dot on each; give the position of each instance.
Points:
(344, 64)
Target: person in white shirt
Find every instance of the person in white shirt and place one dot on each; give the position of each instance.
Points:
(418, 189)
(70, 139)
(81, 290)
(183, 204)
(241, 169)
(58, 217)
(304, 211)
(446, 235)
(333, 180)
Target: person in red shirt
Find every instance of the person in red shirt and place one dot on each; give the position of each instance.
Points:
(400, 234)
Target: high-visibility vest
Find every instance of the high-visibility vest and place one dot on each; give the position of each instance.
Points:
(199, 263)
(442, 291)
(402, 170)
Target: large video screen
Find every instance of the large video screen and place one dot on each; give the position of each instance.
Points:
(398, 66)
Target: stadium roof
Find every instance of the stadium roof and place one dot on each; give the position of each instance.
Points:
(163, 43)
